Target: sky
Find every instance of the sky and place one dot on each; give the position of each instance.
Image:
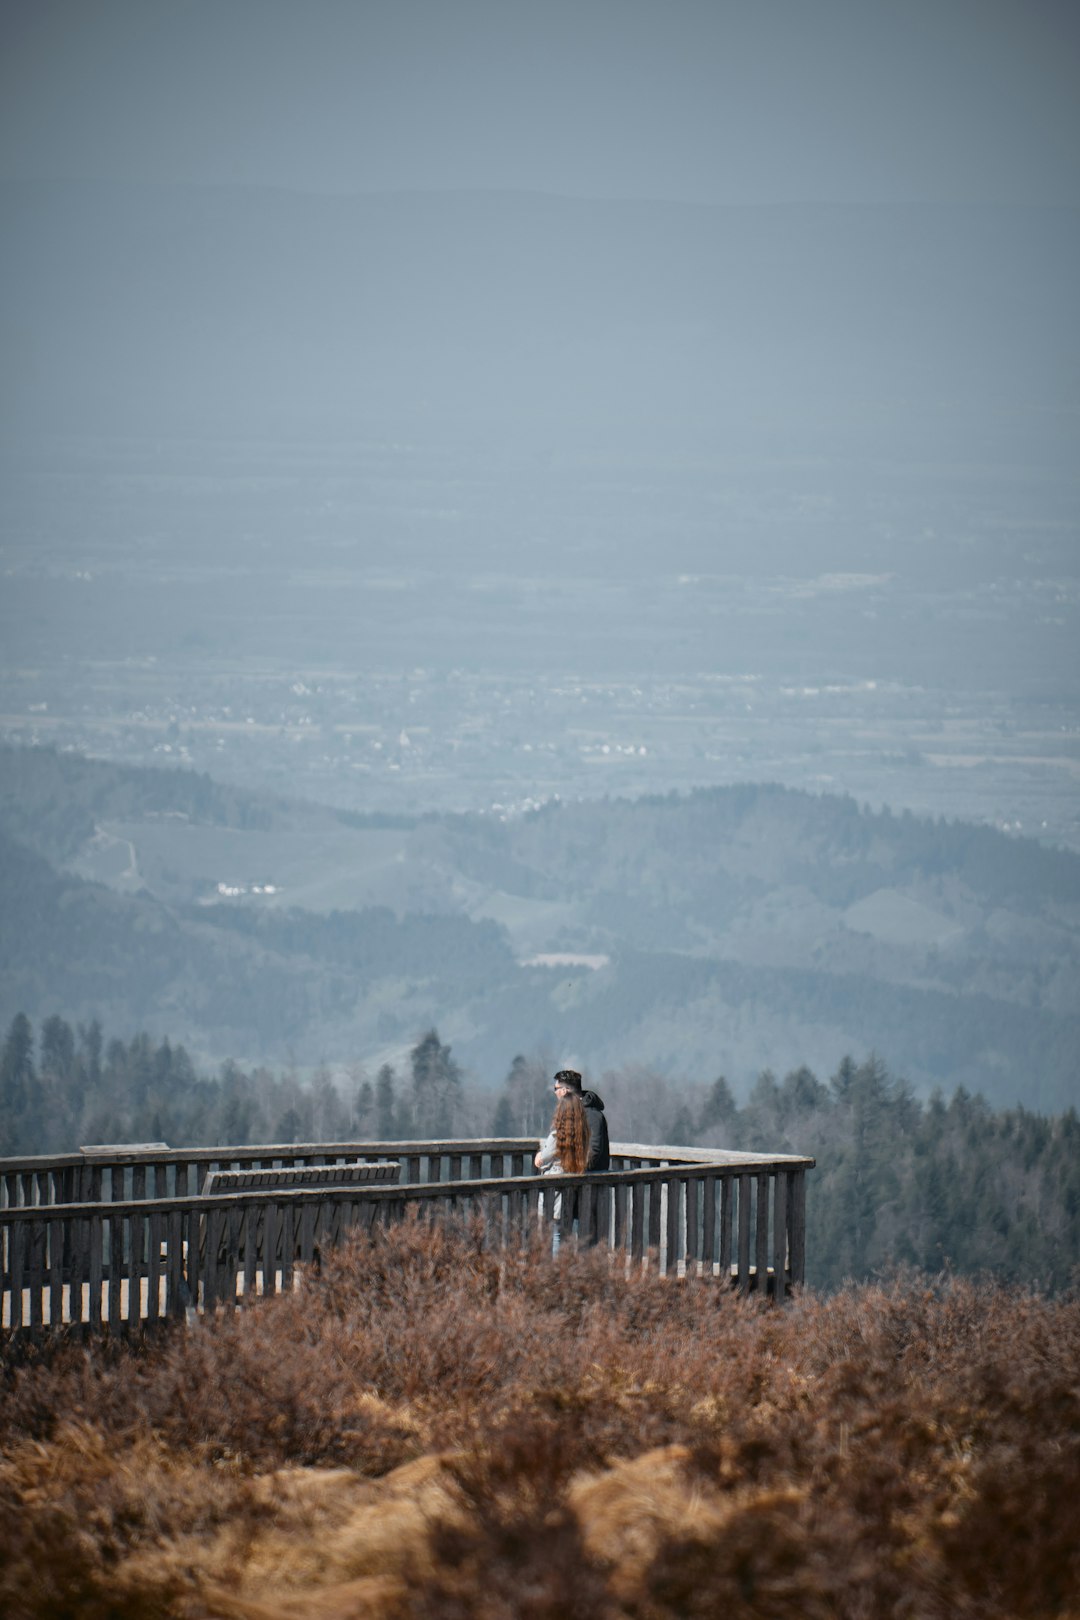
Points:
(733, 101)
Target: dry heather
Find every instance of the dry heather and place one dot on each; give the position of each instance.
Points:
(433, 1430)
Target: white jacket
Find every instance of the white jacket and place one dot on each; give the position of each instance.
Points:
(549, 1163)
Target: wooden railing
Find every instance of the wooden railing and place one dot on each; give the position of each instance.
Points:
(115, 1239)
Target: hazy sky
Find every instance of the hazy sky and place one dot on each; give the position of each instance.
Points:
(763, 100)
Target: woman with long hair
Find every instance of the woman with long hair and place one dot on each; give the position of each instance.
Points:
(565, 1149)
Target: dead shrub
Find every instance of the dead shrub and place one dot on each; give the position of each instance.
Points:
(515, 1550)
(79, 1512)
(433, 1427)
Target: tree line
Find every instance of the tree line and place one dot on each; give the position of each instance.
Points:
(70, 1087)
(900, 1180)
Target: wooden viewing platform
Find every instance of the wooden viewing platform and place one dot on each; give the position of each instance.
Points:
(109, 1239)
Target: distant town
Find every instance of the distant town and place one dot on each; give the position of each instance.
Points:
(427, 740)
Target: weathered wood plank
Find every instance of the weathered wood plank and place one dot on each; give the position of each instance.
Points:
(708, 1225)
(270, 1247)
(780, 1225)
(56, 1236)
(288, 1245)
(231, 1266)
(692, 1192)
(176, 1288)
(655, 1213)
(727, 1189)
(674, 1221)
(586, 1198)
(798, 1226)
(210, 1243)
(97, 1238)
(618, 1240)
(761, 1233)
(116, 1272)
(136, 1257)
(565, 1218)
(532, 1192)
(320, 1237)
(517, 1210)
(155, 1239)
(638, 1194)
(18, 1239)
(337, 1229)
(250, 1245)
(308, 1217)
(603, 1214)
(36, 1275)
(79, 1271)
(744, 1234)
(192, 1257)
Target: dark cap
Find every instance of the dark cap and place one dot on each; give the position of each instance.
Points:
(568, 1078)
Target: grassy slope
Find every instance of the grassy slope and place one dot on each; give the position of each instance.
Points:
(434, 1430)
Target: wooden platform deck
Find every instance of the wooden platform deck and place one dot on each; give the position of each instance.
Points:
(81, 1243)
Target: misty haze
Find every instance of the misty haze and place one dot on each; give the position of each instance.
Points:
(539, 638)
(494, 542)
(490, 504)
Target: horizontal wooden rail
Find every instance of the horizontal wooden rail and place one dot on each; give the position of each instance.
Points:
(110, 1175)
(93, 1265)
(113, 1174)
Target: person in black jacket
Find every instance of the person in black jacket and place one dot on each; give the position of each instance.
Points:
(568, 1084)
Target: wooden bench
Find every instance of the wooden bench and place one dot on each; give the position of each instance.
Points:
(230, 1252)
(302, 1175)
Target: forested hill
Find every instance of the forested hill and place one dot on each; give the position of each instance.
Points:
(730, 929)
(53, 802)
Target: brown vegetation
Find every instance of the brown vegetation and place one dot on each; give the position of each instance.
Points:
(432, 1429)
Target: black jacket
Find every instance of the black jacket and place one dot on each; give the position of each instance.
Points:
(599, 1151)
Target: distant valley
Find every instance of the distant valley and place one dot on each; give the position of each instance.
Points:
(721, 931)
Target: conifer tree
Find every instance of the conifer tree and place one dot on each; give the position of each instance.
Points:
(89, 1053)
(527, 1090)
(287, 1128)
(57, 1048)
(436, 1086)
(364, 1108)
(385, 1104)
(23, 1127)
(719, 1107)
(503, 1123)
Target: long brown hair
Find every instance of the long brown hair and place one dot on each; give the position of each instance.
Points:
(571, 1135)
